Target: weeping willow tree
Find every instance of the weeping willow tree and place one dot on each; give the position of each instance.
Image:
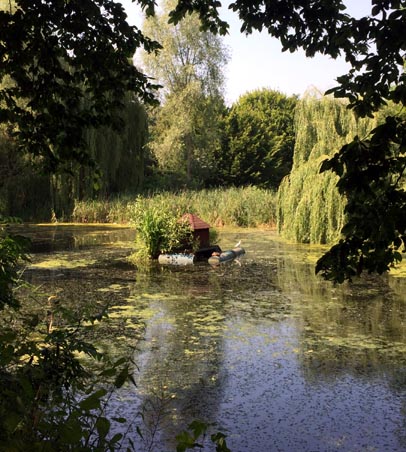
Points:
(119, 163)
(310, 209)
(24, 188)
(119, 156)
(26, 191)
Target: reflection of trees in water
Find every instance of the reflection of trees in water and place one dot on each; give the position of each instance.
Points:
(250, 291)
(183, 356)
(57, 237)
(355, 328)
(181, 365)
(398, 285)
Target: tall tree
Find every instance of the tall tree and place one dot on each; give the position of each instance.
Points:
(188, 54)
(310, 208)
(259, 139)
(72, 104)
(189, 66)
(370, 170)
(26, 191)
(24, 188)
(186, 135)
(119, 157)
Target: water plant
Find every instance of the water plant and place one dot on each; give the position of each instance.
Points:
(160, 228)
(242, 207)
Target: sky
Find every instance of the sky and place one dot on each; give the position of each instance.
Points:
(257, 60)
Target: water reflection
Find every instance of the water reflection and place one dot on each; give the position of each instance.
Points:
(362, 322)
(57, 237)
(181, 358)
(278, 358)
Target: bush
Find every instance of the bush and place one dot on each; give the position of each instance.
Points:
(159, 229)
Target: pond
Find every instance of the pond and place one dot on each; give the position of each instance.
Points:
(275, 357)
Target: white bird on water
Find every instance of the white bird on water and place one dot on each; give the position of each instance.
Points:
(238, 244)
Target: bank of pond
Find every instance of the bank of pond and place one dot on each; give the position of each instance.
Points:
(274, 356)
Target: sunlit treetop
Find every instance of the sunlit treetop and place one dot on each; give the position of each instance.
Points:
(188, 54)
(374, 45)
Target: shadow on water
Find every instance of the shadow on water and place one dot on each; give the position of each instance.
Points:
(277, 358)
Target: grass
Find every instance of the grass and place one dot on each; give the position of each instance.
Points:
(241, 207)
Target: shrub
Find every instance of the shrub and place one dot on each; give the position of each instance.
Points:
(159, 229)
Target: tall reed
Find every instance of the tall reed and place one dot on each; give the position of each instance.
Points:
(242, 207)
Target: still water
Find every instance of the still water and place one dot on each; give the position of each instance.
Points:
(276, 358)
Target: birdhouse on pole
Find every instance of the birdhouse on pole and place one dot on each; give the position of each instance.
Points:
(200, 229)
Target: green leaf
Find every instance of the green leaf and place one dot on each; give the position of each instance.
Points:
(120, 420)
(121, 378)
(326, 165)
(93, 401)
(71, 431)
(198, 428)
(220, 440)
(139, 432)
(184, 441)
(116, 438)
(103, 426)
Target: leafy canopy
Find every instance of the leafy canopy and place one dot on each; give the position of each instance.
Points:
(66, 66)
(260, 139)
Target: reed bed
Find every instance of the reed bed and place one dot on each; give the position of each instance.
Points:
(241, 207)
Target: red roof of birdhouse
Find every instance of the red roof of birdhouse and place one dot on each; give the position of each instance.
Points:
(195, 222)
